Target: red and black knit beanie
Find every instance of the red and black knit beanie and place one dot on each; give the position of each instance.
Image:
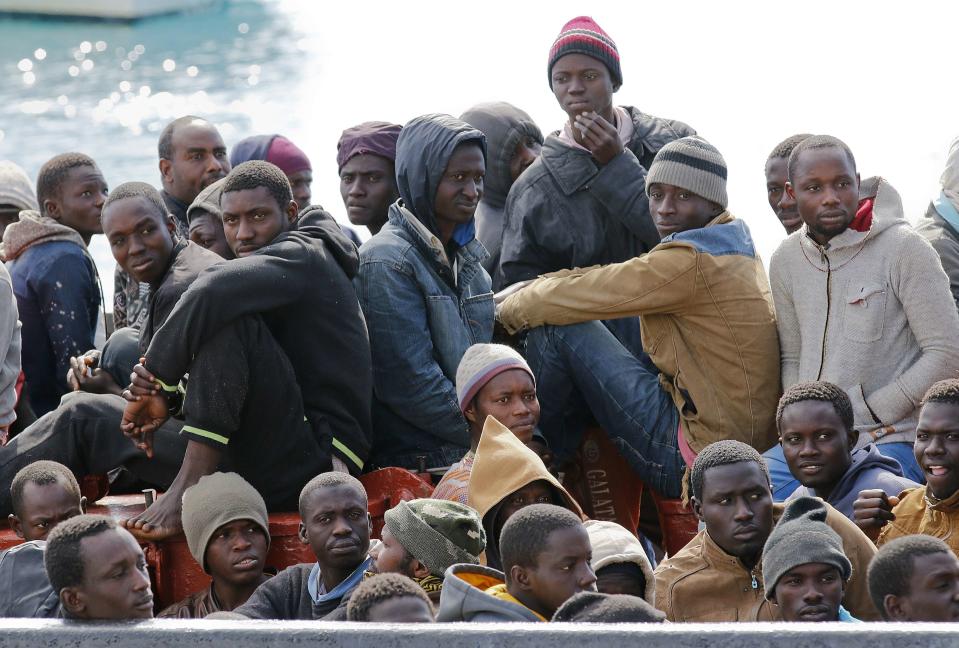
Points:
(582, 35)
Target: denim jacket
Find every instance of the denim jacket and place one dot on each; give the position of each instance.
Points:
(422, 314)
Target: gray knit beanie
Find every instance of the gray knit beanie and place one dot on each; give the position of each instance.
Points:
(480, 364)
(216, 500)
(693, 164)
(438, 533)
(802, 537)
(208, 200)
(594, 607)
(15, 187)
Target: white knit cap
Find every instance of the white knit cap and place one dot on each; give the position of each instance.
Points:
(480, 364)
(15, 187)
(612, 543)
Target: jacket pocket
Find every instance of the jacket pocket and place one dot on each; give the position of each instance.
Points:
(479, 312)
(864, 311)
(448, 332)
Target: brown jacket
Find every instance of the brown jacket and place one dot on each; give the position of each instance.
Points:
(917, 513)
(707, 323)
(702, 583)
(195, 606)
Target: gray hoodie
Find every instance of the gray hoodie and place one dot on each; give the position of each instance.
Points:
(9, 349)
(465, 598)
(505, 126)
(871, 312)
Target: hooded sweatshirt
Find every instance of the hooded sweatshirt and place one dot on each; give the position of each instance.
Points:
(425, 304)
(613, 544)
(940, 226)
(869, 469)
(505, 126)
(58, 299)
(477, 594)
(300, 285)
(870, 311)
(502, 466)
(9, 349)
(566, 211)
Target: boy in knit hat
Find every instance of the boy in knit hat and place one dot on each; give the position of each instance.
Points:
(491, 380)
(804, 568)
(551, 222)
(206, 221)
(366, 159)
(54, 277)
(546, 555)
(514, 142)
(932, 509)
(915, 578)
(280, 151)
(16, 194)
(228, 532)
(861, 299)
(707, 322)
(390, 598)
(619, 561)
(421, 539)
(815, 422)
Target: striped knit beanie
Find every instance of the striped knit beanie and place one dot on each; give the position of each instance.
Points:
(582, 35)
(693, 164)
(438, 533)
(480, 364)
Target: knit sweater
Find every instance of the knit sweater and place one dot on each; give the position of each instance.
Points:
(870, 311)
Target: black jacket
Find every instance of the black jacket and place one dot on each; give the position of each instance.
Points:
(567, 212)
(300, 285)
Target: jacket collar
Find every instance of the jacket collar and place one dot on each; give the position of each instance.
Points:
(948, 505)
(721, 560)
(468, 257)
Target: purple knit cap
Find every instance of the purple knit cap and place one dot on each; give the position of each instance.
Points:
(375, 137)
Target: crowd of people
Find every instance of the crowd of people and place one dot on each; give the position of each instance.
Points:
(260, 359)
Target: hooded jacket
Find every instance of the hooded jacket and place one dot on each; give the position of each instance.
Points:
(466, 598)
(704, 584)
(300, 285)
(58, 299)
(502, 466)
(943, 236)
(869, 469)
(505, 126)
(707, 324)
(613, 544)
(918, 512)
(567, 212)
(9, 349)
(25, 590)
(425, 304)
(871, 312)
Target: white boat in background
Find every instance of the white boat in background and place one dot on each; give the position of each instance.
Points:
(100, 9)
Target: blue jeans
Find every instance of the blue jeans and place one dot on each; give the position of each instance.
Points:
(784, 483)
(585, 364)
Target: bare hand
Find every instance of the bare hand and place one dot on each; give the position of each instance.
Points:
(142, 382)
(872, 510)
(84, 375)
(599, 136)
(141, 418)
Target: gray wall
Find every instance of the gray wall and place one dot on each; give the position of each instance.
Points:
(30, 633)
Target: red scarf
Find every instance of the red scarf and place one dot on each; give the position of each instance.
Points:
(863, 220)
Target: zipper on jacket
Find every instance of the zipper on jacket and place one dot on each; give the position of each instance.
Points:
(822, 355)
(754, 583)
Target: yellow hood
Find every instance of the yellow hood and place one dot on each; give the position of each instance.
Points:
(503, 465)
